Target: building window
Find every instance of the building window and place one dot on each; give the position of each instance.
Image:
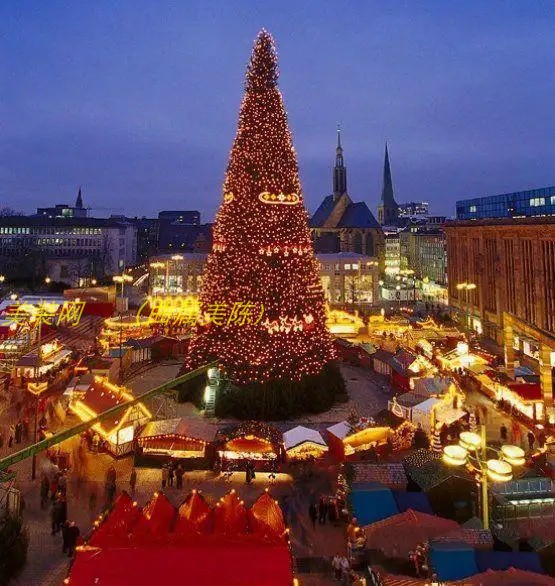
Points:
(537, 201)
(472, 209)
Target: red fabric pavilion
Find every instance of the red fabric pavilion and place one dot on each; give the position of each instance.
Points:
(230, 515)
(119, 523)
(194, 516)
(228, 545)
(266, 518)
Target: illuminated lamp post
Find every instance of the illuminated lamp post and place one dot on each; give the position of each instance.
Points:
(467, 287)
(472, 451)
(398, 293)
(121, 279)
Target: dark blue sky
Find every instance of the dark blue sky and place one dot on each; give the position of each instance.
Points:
(138, 99)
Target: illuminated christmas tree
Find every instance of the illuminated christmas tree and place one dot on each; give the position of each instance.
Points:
(263, 314)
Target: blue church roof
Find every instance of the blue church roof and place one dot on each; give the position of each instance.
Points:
(322, 213)
(358, 215)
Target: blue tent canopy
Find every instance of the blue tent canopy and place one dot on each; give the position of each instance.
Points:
(372, 502)
(417, 501)
(452, 560)
(503, 560)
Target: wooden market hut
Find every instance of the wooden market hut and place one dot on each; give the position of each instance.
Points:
(347, 442)
(191, 441)
(117, 432)
(256, 441)
(302, 443)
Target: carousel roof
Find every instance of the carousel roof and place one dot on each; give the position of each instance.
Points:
(299, 435)
(194, 428)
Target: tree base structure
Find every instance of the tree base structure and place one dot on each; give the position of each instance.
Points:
(283, 399)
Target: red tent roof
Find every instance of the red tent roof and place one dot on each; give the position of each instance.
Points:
(230, 515)
(528, 391)
(157, 518)
(205, 561)
(266, 518)
(194, 516)
(118, 524)
(510, 577)
(398, 535)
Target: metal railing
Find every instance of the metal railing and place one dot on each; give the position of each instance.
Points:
(55, 439)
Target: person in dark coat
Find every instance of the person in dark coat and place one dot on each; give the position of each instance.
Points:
(171, 474)
(322, 510)
(179, 472)
(531, 440)
(313, 514)
(73, 536)
(65, 537)
(44, 488)
(56, 516)
(503, 433)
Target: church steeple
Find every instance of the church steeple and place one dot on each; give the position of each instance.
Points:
(388, 210)
(79, 200)
(339, 171)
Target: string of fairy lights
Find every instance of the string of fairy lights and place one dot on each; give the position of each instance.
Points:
(263, 252)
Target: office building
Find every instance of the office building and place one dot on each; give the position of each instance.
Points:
(181, 231)
(63, 210)
(414, 209)
(346, 277)
(67, 249)
(519, 204)
(501, 275)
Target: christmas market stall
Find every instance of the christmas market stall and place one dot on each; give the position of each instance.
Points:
(187, 440)
(252, 441)
(302, 443)
(349, 439)
(115, 433)
(228, 544)
(53, 357)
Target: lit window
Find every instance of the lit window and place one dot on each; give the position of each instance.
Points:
(472, 209)
(347, 267)
(553, 200)
(537, 201)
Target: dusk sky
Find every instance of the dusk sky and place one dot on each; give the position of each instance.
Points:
(137, 100)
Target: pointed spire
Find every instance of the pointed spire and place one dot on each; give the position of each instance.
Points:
(387, 188)
(79, 200)
(339, 171)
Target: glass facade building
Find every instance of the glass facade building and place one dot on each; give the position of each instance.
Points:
(533, 202)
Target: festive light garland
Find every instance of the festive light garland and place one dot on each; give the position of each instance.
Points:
(263, 252)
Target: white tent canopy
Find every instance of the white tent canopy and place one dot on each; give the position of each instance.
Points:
(300, 435)
(340, 430)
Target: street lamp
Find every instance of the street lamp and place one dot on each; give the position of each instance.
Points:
(467, 287)
(47, 280)
(472, 450)
(93, 282)
(2, 278)
(121, 280)
(398, 289)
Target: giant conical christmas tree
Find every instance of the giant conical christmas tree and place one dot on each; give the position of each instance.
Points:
(262, 301)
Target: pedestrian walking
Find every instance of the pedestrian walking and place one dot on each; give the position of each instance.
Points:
(531, 440)
(11, 436)
(542, 438)
(322, 510)
(165, 475)
(503, 433)
(18, 431)
(73, 537)
(56, 516)
(313, 514)
(179, 472)
(133, 480)
(336, 565)
(171, 474)
(92, 502)
(65, 537)
(44, 489)
(345, 570)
